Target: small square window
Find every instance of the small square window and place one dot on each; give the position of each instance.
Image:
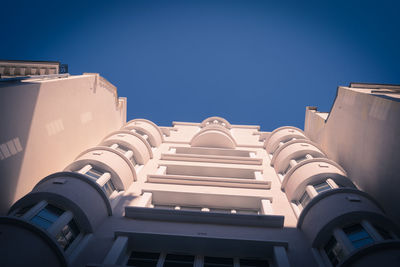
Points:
(383, 232)
(109, 187)
(147, 259)
(175, 260)
(67, 234)
(358, 236)
(217, 262)
(122, 149)
(305, 198)
(321, 187)
(94, 173)
(20, 212)
(47, 216)
(334, 251)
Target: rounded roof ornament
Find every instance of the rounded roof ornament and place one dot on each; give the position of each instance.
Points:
(216, 120)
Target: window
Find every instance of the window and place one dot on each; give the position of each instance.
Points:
(217, 262)
(47, 216)
(175, 260)
(141, 133)
(383, 232)
(310, 193)
(150, 259)
(67, 234)
(20, 212)
(334, 251)
(145, 259)
(122, 149)
(100, 177)
(109, 187)
(66, 228)
(296, 161)
(287, 169)
(305, 198)
(253, 263)
(300, 159)
(358, 236)
(133, 160)
(321, 187)
(93, 173)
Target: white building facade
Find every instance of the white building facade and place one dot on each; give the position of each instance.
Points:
(83, 187)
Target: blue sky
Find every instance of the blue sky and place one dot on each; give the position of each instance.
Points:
(251, 62)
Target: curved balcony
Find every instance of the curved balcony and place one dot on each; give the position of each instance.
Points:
(62, 211)
(136, 143)
(349, 228)
(213, 135)
(84, 192)
(282, 135)
(312, 171)
(155, 136)
(50, 190)
(335, 208)
(216, 120)
(105, 160)
(294, 150)
(19, 237)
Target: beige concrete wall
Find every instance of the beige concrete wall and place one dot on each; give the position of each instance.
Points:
(48, 122)
(362, 135)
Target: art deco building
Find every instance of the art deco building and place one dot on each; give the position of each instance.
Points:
(82, 186)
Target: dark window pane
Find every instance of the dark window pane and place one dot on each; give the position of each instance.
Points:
(47, 216)
(217, 262)
(141, 263)
(305, 198)
(133, 160)
(140, 132)
(42, 223)
(334, 251)
(22, 211)
(253, 263)
(322, 187)
(287, 169)
(122, 149)
(300, 159)
(51, 213)
(109, 187)
(93, 173)
(362, 242)
(174, 260)
(383, 232)
(143, 259)
(358, 235)
(68, 234)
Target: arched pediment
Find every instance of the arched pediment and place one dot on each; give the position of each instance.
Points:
(213, 137)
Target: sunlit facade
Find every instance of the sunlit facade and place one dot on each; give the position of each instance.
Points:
(82, 186)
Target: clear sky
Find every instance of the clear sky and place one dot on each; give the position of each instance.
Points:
(251, 62)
